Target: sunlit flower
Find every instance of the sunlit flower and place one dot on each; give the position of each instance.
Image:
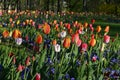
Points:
(18, 41)
(46, 28)
(39, 39)
(5, 33)
(98, 29)
(84, 47)
(92, 42)
(107, 29)
(106, 39)
(20, 67)
(57, 48)
(16, 34)
(63, 34)
(66, 42)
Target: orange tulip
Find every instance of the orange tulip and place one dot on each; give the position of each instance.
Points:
(5, 33)
(16, 34)
(85, 24)
(10, 20)
(39, 39)
(107, 29)
(46, 28)
(98, 29)
(92, 42)
(66, 42)
(54, 42)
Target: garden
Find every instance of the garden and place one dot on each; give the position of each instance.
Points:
(45, 45)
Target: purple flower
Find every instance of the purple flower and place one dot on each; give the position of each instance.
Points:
(26, 72)
(67, 76)
(72, 78)
(52, 70)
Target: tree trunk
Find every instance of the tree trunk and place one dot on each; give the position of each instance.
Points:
(58, 6)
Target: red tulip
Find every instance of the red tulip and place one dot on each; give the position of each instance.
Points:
(106, 39)
(39, 39)
(84, 47)
(75, 37)
(37, 77)
(93, 21)
(91, 28)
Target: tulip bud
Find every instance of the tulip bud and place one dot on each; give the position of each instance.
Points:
(84, 47)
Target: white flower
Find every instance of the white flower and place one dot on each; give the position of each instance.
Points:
(57, 48)
(18, 41)
(63, 34)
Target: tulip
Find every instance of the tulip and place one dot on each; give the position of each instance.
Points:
(46, 28)
(91, 28)
(27, 62)
(98, 29)
(14, 60)
(63, 34)
(107, 29)
(79, 42)
(10, 20)
(39, 39)
(18, 41)
(84, 47)
(66, 42)
(54, 42)
(75, 37)
(92, 42)
(57, 48)
(20, 68)
(93, 21)
(106, 39)
(16, 34)
(5, 33)
(85, 24)
(37, 77)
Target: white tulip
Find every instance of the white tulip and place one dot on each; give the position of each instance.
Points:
(57, 48)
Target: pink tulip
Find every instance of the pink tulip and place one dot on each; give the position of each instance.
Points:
(106, 39)
(79, 42)
(37, 77)
(84, 47)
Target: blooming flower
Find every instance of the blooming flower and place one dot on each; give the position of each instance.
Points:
(39, 39)
(46, 28)
(57, 48)
(63, 34)
(84, 47)
(16, 34)
(5, 33)
(18, 41)
(107, 29)
(92, 42)
(106, 39)
(37, 77)
(66, 42)
(98, 29)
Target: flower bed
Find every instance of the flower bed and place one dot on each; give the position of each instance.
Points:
(42, 46)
